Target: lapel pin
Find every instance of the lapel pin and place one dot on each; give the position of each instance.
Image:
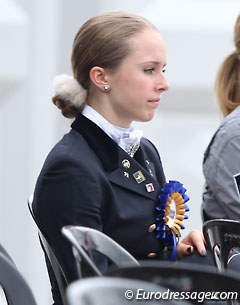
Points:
(126, 174)
(149, 187)
(126, 163)
(139, 177)
(149, 169)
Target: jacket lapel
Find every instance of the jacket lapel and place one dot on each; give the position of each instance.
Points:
(135, 174)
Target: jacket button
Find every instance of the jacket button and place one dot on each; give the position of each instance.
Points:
(152, 255)
(151, 228)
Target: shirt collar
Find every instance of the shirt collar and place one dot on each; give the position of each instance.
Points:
(127, 138)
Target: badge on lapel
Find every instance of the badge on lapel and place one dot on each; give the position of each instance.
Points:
(126, 163)
(139, 177)
(149, 187)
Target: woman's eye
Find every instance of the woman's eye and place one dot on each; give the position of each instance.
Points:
(149, 70)
(163, 70)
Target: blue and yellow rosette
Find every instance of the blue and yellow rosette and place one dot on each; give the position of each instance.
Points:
(171, 212)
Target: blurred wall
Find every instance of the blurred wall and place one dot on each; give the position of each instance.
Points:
(37, 39)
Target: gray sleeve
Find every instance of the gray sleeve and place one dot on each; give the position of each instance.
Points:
(223, 185)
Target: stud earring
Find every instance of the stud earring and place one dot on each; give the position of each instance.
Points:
(106, 88)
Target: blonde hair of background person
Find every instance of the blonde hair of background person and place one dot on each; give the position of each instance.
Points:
(97, 175)
(227, 84)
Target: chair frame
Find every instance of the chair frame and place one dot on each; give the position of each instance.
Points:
(57, 269)
(4, 252)
(96, 290)
(221, 235)
(15, 288)
(84, 240)
(182, 277)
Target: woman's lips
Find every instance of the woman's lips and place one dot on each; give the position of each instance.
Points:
(155, 102)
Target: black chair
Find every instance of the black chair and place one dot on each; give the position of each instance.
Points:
(86, 242)
(195, 281)
(15, 288)
(116, 291)
(52, 262)
(223, 239)
(234, 262)
(4, 252)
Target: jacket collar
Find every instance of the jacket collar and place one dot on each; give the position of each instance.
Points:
(98, 140)
(135, 174)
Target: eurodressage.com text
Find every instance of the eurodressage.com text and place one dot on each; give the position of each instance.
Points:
(143, 295)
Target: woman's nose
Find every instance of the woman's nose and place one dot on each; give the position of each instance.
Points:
(163, 84)
(166, 84)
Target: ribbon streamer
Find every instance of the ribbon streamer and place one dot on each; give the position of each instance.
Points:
(171, 211)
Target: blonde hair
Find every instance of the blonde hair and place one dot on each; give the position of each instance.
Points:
(227, 85)
(101, 41)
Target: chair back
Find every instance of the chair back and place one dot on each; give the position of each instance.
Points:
(86, 241)
(116, 291)
(51, 259)
(4, 252)
(198, 283)
(15, 288)
(222, 237)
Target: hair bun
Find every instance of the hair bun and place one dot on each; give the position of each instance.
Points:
(69, 89)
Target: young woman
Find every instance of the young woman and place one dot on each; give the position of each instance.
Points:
(222, 158)
(103, 174)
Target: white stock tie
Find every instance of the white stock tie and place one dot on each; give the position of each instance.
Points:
(130, 141)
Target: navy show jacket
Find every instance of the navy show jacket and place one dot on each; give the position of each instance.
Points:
(88, 180)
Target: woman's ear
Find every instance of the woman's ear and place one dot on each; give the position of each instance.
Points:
(98, 77)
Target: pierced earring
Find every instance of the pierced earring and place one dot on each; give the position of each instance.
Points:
(106, 88)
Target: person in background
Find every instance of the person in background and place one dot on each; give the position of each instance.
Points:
(221, 162)
(104, 174)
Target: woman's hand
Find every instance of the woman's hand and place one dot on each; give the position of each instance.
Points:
(193, 240)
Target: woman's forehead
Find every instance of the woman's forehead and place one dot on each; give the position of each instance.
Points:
(148, 44)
